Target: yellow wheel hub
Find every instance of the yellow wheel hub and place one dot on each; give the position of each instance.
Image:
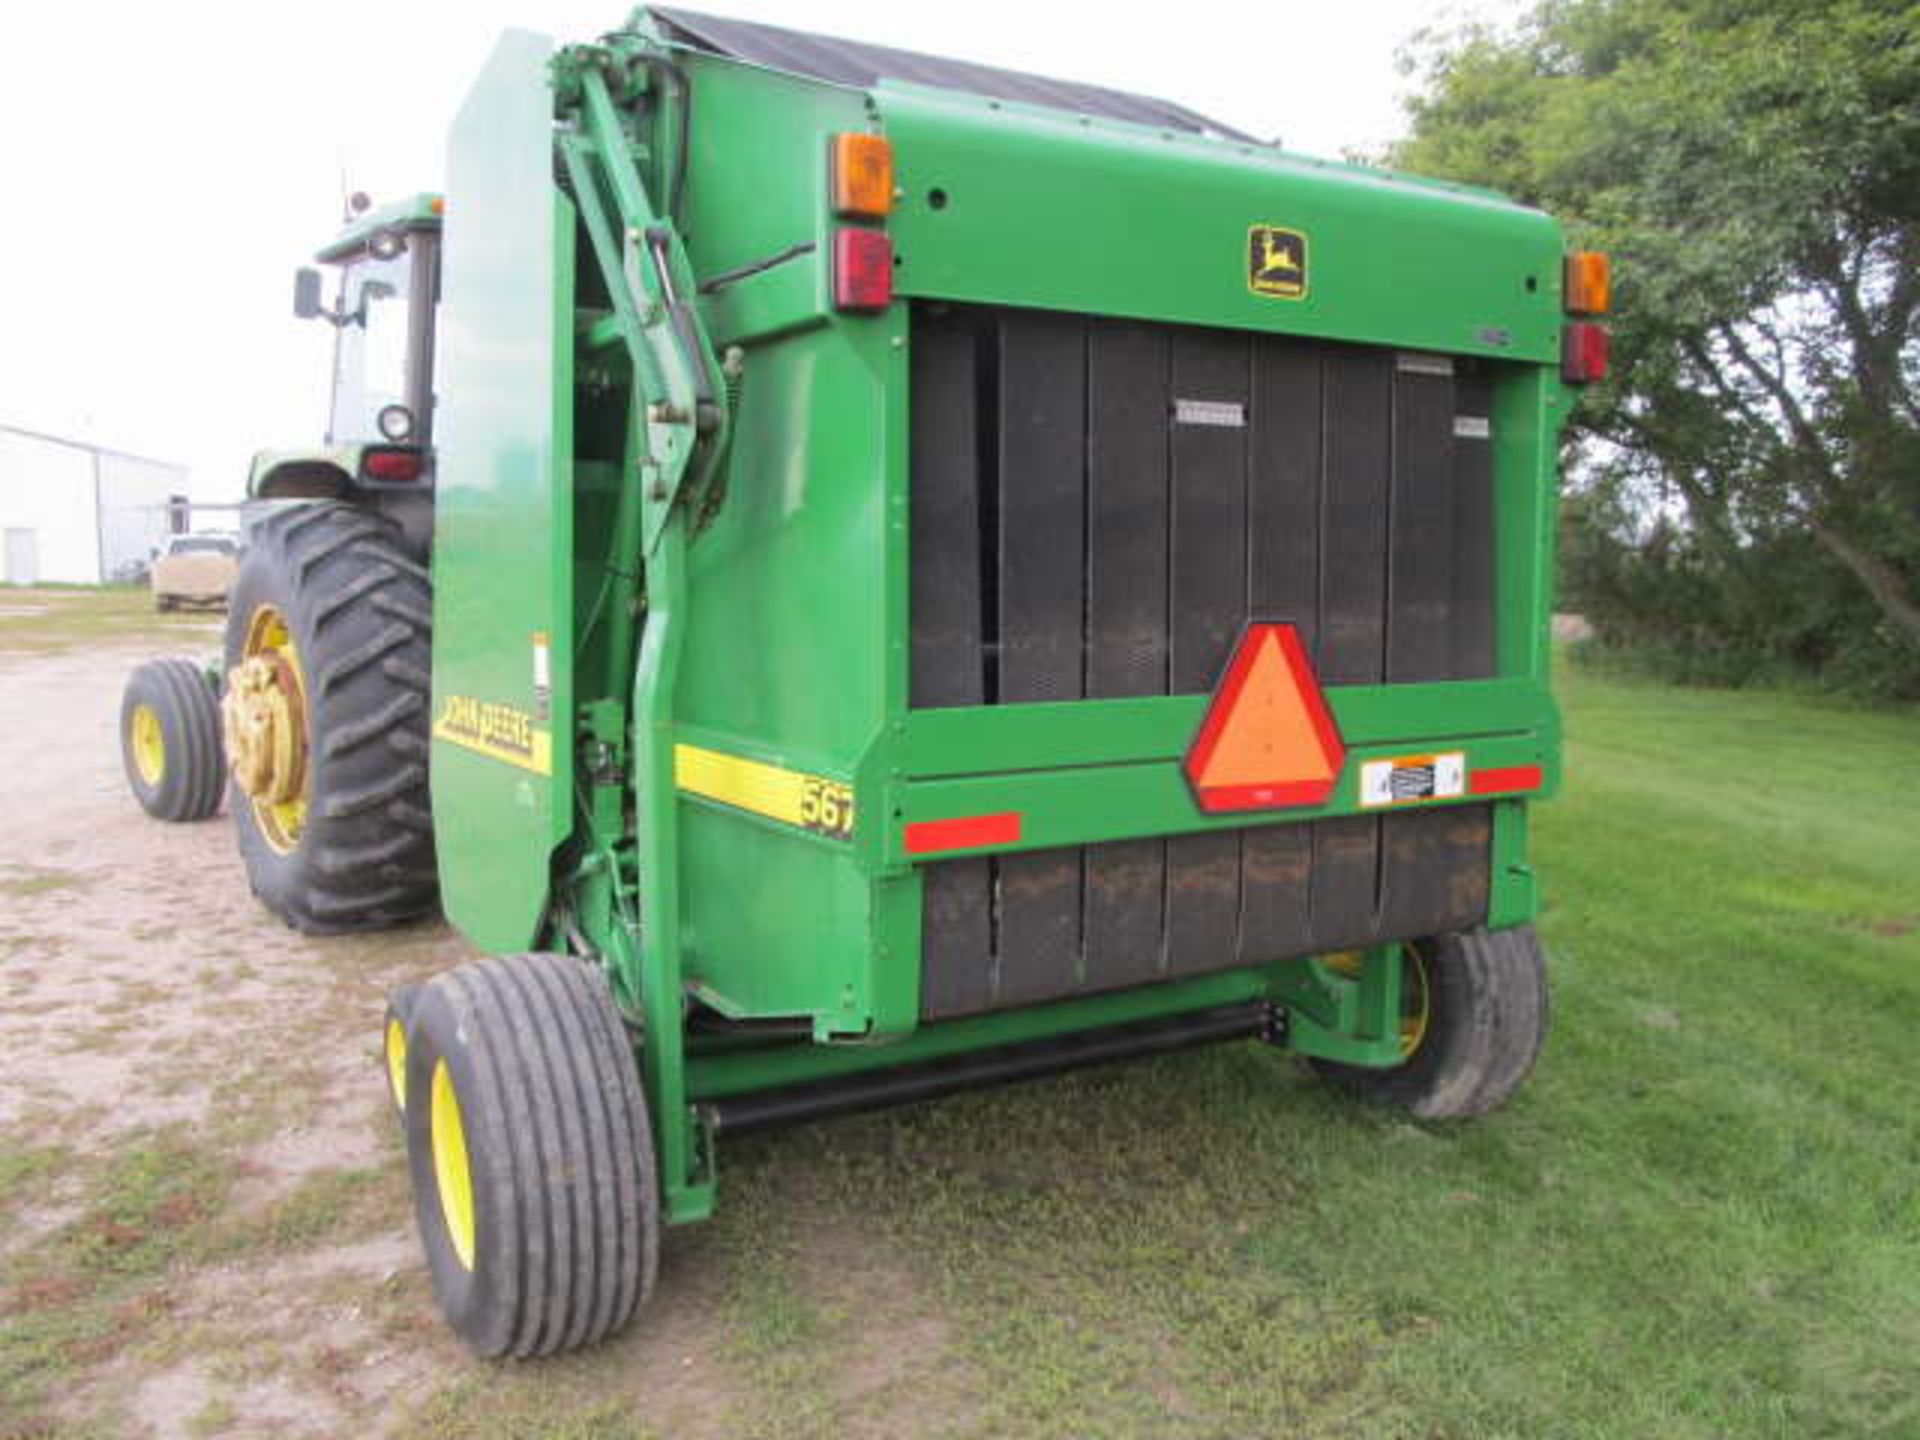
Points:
(149, 745)
(1416, 996)
(1416, 1000)
(450, 1173)
(264, 717)
(397, 1061)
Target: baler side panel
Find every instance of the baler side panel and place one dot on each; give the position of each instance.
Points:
(796, 595)
(502, 768)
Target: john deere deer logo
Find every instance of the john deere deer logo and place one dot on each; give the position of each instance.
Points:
(1277, 262)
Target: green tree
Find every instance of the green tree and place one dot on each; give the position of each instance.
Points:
(1753, 166)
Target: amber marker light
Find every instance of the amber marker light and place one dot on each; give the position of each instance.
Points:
(1589, 283)
(862, 175)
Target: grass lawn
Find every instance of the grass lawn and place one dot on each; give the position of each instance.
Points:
(50, 619)
(1701, 1219)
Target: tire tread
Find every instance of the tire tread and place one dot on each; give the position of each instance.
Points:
(362, 616)
(577, 1184)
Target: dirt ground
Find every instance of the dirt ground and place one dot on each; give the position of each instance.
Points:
(205, 1226)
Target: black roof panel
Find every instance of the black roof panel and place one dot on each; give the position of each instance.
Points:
(849, 62)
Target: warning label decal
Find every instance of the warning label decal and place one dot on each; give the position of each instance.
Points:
(1411, 778)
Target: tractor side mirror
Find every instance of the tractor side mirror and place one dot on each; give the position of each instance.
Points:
(306, 294)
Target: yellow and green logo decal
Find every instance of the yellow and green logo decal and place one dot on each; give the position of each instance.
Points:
(1277, 262)
(500, 732)
(809, 802)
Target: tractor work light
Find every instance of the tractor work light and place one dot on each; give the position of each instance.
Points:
(1589, 283)
(862, 175)
(862, 270)
(1584, 352)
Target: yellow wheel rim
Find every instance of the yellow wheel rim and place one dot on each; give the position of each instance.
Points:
(149, 745)
(450, 1173)
(265, 719)
(1416, 1000)
(1416, 994)
(397, 1061)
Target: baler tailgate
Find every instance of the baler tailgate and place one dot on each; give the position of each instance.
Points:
(1100, 507)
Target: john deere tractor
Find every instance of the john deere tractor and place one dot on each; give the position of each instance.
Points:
(852, 575)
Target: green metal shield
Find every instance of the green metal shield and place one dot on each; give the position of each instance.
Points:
(503, 539)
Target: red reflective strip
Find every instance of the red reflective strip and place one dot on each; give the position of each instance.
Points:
(1217, 799)
(1513, 777)
(967, 833)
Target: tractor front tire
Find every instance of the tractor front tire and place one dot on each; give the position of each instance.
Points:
(335, 620)
(170, 740)
(1482, 1018)
(531, 1155)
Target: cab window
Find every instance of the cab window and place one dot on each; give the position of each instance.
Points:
(371, 361)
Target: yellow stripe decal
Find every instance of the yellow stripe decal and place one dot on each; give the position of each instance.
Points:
(810, 802)
(496, 731)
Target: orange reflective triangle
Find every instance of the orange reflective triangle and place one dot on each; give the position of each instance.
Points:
(1268, 739)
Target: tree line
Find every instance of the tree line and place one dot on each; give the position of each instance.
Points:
(1744, 492)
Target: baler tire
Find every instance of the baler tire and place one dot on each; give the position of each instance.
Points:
(359, 612)
(1486, 1022)
(395, 1035)
(523, 1059)
(179, 772)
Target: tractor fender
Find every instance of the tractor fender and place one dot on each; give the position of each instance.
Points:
(282, 475)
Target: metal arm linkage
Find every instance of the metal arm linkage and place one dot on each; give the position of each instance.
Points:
(679, 424)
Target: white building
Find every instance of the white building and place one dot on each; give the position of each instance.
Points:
(80, 514)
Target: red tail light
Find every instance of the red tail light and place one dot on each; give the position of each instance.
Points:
(862, 270)
(1584, 353)
(392, 465)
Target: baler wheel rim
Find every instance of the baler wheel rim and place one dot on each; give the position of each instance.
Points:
(452, 1173)
(395, 1042)
(149, 744)
(1415, 1015)
(1416, 998)
(396, 1054)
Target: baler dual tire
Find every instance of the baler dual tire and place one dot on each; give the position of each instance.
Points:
(355, 851)
(531, 1155)
(1482, 1027)
(170, 740)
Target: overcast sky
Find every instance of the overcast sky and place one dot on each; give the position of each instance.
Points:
(166, 167)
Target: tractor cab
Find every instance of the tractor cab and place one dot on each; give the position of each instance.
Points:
(389, 276)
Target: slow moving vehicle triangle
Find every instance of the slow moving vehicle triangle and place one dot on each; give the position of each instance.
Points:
(1268, 741)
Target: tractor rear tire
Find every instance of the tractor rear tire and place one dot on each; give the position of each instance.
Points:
(170, 740)
(357, 612)
(531, 1155)
(1485, 1021)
